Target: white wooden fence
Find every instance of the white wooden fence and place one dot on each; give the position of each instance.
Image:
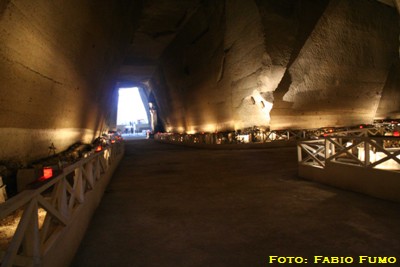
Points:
(58, 199)
(367, 152)
(264, 137)
(376, 131)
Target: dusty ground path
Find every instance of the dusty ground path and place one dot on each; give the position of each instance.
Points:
(176, 206)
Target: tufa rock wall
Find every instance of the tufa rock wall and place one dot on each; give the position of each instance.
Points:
(339, 74)
(389, 104)
(282, 64)
(56, 71)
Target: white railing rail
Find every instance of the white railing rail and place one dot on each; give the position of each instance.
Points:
(375, 131)
(57, 200)
(265, 136)
(367, 152)
(311, 152)
(285, 135)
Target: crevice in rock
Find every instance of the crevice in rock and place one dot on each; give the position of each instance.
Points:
(268, 96)
(198, 37)
(222, 69)
(226, 50)
(388, 107)
(181, 20)
(223, 63)
(161, 34)
(306, 28)
(32, 70)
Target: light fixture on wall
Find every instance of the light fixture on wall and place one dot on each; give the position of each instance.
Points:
(47, 173)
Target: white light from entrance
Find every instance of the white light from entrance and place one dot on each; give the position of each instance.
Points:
(130, 107)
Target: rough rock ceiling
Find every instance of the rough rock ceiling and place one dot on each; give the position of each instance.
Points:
(389, 2)
(158, 25)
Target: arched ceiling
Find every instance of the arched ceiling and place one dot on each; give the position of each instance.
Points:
(158, 25)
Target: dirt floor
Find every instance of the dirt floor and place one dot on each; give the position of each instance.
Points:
(171, 205)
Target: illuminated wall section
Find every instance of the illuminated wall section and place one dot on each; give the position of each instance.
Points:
(55, 61)
(339, 75)
(389, 104)
(283, 64)
(212, 76)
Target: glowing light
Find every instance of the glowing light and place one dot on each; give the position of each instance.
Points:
(47, 173)
(396, 134)
(98, 148)
(244, 138)
(130, 107)
(181, 129)
(209, 128)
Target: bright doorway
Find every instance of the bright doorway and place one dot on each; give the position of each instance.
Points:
(132, 118)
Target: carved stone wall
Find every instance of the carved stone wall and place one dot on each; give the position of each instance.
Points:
(57, 63)
(283, 64)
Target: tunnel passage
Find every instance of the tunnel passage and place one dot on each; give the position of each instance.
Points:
(206, 66)
(245, 206)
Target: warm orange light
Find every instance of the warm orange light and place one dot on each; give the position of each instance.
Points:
(47, 173)
(98, 149)
(112, 141)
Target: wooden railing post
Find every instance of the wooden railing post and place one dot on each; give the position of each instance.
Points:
(58, 197)
(31, 244)
(62, 197)
(89, 173)
(79, 190)
(299, 153)
(366, 153)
